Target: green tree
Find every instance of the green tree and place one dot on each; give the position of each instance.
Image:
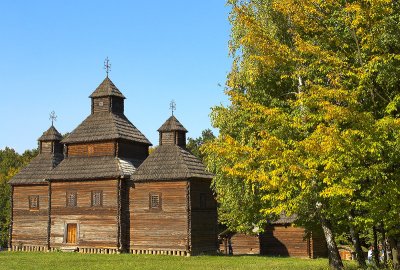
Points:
(10, 163)
(193, 145)
(310, 129)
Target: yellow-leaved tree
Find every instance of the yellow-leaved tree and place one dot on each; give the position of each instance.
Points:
(312, 127)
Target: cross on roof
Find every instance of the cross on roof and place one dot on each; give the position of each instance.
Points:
(107, 66)
(172, 106)
(53, 117)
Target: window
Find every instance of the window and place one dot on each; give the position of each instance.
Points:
(34, 202)
(203, 201)
(71, 198)
(155, 201)
(97, 198)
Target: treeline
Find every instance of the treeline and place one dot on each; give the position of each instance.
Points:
(10, 163)
(313, 127)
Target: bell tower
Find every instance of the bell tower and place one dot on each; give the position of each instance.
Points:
(107, 98)
(49, 142)
(172, 132)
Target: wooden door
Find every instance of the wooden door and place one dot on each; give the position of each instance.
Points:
(71, 233)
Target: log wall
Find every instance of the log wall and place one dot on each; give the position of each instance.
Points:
(132, 150)
(244, 244)
(172, 138)
(279, 240)
(97, 226)
(167, 138)
(29, 226)
(318, 245)
(204, 237)
(92, 149)
(101, 104)
(46, 147)
(117, 105)
(166, 229)
(180, 138)
(125, 218)
(51, 147)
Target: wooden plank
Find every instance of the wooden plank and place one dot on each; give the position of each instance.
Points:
(101, 104)
(132, 150)
(97, 225)
(163, 229)
(245, 244)
(29, 226)
(92, 149)
(284, 241)
(204, 221)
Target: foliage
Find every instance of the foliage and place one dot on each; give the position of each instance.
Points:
(55, 261)
(10, 163)
(312, 127)
(193, 145)
(152, 149)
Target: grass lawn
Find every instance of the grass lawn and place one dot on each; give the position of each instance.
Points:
(58, 260)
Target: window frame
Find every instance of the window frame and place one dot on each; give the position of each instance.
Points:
(67, 203)
(159, 206)
(100, 192)
(30, 200)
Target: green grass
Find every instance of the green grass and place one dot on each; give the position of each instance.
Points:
(58, 260)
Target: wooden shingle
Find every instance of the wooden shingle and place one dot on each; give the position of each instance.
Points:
(85, 168)
(38, 170)
(106, 88)
(172, 124)
(170, 162)
(40, 167)
(105, 126)
(51, 134)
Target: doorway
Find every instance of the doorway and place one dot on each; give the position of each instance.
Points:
(71, 233)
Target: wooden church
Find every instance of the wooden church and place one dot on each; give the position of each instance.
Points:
(99, 191)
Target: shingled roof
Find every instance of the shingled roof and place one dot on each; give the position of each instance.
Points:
(51, 134)
(86, 168)
(106, 88)
(172, 124)
(170, 162)
(37, 170)
(105, 126)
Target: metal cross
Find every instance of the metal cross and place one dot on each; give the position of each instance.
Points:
(172, 106)
(107, 66)
(53, 117)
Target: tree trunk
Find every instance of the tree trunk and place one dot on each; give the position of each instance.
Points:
(384, 244)
(355, 237)
(395, 252)
(376, 251)
(335, 262)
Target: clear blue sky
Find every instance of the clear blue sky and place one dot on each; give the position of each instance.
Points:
(52, 55)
